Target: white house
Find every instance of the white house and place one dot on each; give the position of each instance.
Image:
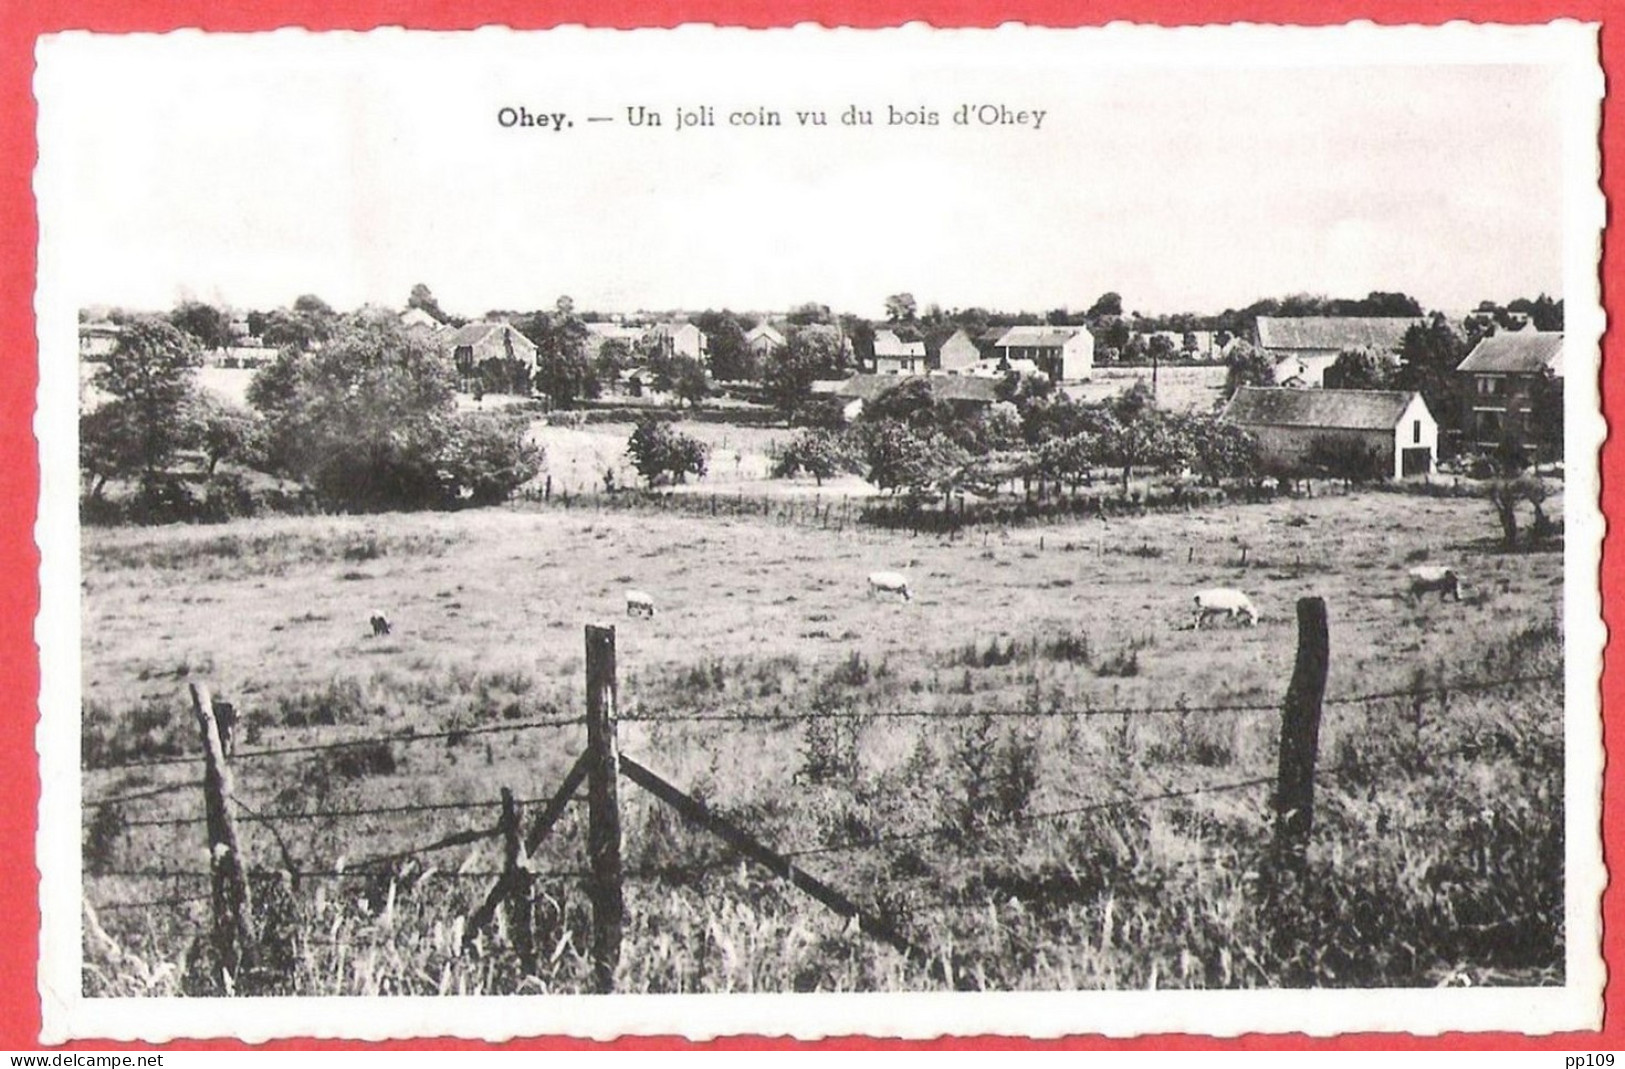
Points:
(1065, 354)
(893, 356)
(1395, 426)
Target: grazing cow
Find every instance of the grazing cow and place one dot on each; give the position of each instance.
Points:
(1224, 602)
(640, 604)
(1430, 577)
(889, 583)
(380, 624)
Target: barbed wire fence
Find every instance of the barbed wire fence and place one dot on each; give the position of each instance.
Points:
(601, 767)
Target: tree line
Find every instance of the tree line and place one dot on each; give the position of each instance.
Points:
(913, 445)
(366, 421)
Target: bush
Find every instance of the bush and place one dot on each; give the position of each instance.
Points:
(486, 458)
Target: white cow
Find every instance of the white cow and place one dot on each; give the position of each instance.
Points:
(380, 624)
(889, 583)
(640, 604)
(1223, 601)
(1430, 577)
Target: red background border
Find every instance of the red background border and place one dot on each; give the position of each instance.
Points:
(21, 22)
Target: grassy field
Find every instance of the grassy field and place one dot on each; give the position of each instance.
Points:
(1179, 389)
(992, 822)
(739, 461)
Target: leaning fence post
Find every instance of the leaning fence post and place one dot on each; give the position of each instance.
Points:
(1300, 733)
(233, 912)
(604, 815)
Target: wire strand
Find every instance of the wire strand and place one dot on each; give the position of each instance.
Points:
(345, 744)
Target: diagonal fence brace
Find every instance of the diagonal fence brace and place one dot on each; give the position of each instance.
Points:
(775, 862)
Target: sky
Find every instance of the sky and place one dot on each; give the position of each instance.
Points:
(1188, 173)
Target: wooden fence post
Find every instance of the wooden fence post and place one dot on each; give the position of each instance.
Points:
(233, 911)
(1300, 733)
(604, 817)
(516, 874)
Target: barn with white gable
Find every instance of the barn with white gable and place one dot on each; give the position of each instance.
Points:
(1394, 425)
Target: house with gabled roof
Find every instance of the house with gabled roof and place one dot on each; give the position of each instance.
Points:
(1502, 382)
(474, 344)
(1303, 347)
(764, 339)
(894, 356)
(682, 339)
(1393, 426)
(1065, 354)
(958, 352)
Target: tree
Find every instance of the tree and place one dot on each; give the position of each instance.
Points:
(1361, 369)
(150, 375)
(366, 421)
(1112, 332)
(1108, 304)
(820, 452)
(899, 457)
(564, 371)
(422, 299)
(1220, 450)
(208, 325)
(731, 356)
(1545, 420)
(486, 457)
(223, 431)
(1247, 367)
(110, 444)
(307, 325)
(1506, 492)
(1135, 433)
(682, 375)
(657, 450)
(910, 402)
(1160, 349)
(1429, 356)
(614, 356)
(812, 312)
(811, 353)
(900, 308)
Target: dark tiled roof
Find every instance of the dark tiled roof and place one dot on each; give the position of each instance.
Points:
(943, 387)
(1038, 337)
(475, 333)
(1342, 409)
(1332, 332)
(1517, 353)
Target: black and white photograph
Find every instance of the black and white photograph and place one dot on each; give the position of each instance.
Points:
(819, 532)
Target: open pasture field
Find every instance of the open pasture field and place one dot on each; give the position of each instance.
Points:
(944, 760)
(577, 458)
(1179, 389)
